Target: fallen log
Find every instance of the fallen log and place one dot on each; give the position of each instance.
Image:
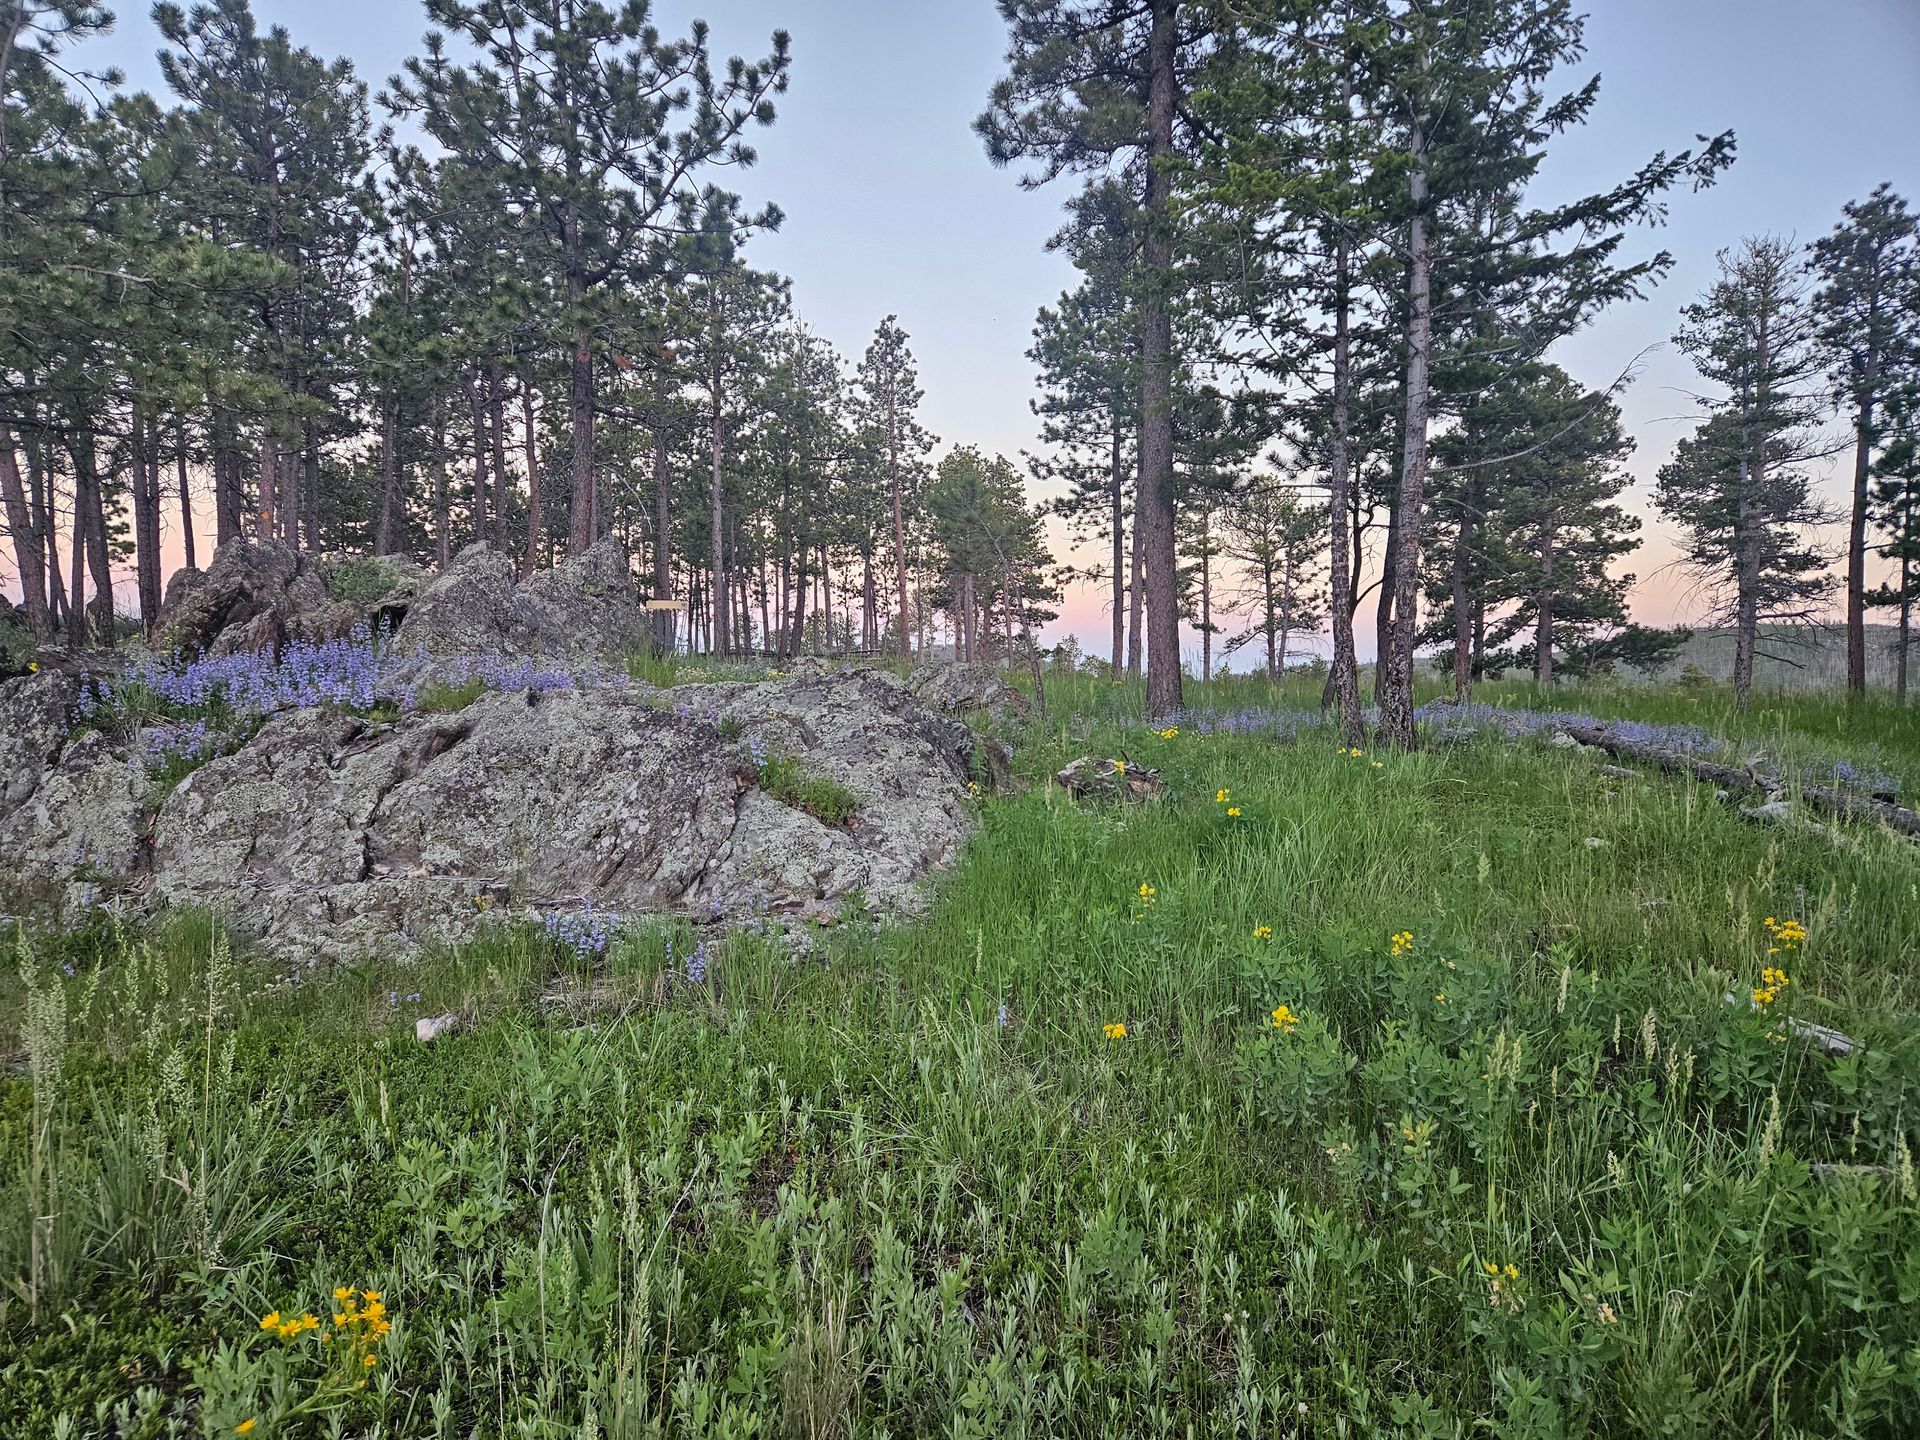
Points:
(1743, 780)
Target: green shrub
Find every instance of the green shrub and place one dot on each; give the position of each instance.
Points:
(361, 580)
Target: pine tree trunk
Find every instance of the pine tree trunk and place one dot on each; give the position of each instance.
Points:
(1396, 700)
(1857, 548)
(1543, 611)
(442, 520)
(717, 438)
(309, 488)
(383, 525)
(1906, 613)
(1272, 615)
(502, 484)
(1462, 597)
(28, 551)
(40, 486)
(1383, 603)
(77, 571)
(1747, 596)
(476, 414)
(664, 624)
(1206, 601)
(186, 493)
(1343, 675)
(229, 503)
(146, 519)
(90, 526)
(899, 519)
(536, 511)
(1115, 504)
(1136, 600)
(1156, 501)
(581, 513)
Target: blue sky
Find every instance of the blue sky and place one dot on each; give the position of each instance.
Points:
(892, 206)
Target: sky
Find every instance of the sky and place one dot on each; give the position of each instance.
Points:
(893, 208)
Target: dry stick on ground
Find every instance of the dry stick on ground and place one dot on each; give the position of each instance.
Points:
(1738, 780)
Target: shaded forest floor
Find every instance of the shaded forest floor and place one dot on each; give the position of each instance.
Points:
(1405, 1101)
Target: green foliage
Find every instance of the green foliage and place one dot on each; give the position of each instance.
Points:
(361, 580)
(828, 801)
(897, 1173)
(446, 698)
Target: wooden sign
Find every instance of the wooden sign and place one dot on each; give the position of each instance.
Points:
(666, 604)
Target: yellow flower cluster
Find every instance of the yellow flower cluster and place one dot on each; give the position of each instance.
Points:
(1119, 767)
(1772, 982)
(1402, 942)
(1785, 934)
(1284, 1019)
(1221, 796)
(287, 1327)
(1352, 752)
(1263, 932)
(1501, 1293)
(1233, 812)
(362, 1322)
(1115, 1031)
(1172, 732)
(1147, 893)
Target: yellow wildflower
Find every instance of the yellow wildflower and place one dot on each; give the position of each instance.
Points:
(1441, 998)
(1263, 932)
(1115, 1031)
(1119, 767)
(1220, 796)
(245, 1426)
(1172, 732)
(1147, 893)
(1233, 812)
(270, 1320)
(1402, 942)
(1284, 1019)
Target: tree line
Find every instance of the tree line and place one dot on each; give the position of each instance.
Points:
(1314, 315)
(532, 323)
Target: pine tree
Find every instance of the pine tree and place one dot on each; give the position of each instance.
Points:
(1734, 486)
(1895, 513)
(1091, 85)
(1868, 305)
(569, 114)
(890, 386)
(1280, 543)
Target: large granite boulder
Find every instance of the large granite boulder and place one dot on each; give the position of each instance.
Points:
(331, 835)
(259, 594)
(476, 607)
(969, 691)
(36, 712)
(80, 837)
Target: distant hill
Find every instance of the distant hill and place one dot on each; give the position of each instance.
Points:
(1792, 657)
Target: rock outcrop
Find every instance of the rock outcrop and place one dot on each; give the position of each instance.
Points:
(333, 831)
(259, 594)
(585, 606)
(330, 834)
(978, 691)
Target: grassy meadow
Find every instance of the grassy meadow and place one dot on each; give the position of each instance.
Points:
(1405, 1101)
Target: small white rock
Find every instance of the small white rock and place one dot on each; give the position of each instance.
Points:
(429, 1028)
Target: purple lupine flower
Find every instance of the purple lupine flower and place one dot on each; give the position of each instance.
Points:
(584, 934)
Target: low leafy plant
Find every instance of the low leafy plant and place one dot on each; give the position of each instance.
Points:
(828, 801)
